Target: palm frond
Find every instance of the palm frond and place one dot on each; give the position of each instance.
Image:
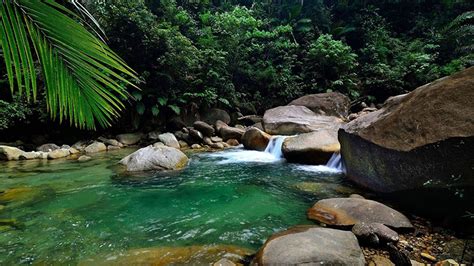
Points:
(84, 79)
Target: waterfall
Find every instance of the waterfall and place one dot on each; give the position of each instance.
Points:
(336, 162)
(274, 146)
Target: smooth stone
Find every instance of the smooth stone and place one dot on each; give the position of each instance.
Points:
(397, 256)
(314, 148)
(73, 151)
(169, 140)
(216, 139)
(350, 211)
(130, 138)
(84, 158)
(196, 134)
(310, 245)
(330, 103)
(31, 155)
(112, 142)
(48, 147)
(224, 262)
(159, 144)
(153, 135)
(60, 153)
(112, 148)
(228, 132)
(207, 141)
(448, 262)
(206, 129)
(155, 158)
(374, 233)
(95, 147)
(214, 114)
(217, 145)
(10, 153)
(255, 139)
(183, 144)
(292, 120)
(219, 125)
(196, 146)
(233, 142)
(80, 145)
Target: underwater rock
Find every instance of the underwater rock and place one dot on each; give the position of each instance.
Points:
(311, 148)
(350, 211)
(169, 140)
(255, 139)
(155, 158)
(311, 245)
(84, 158)
(330, 103)
(292, 120)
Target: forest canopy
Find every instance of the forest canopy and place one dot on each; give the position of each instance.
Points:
(253, 55)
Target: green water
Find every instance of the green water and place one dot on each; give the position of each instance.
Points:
(77, 210)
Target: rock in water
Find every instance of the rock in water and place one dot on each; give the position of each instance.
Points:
(255, 139)
(228, 132)
(423, 140)
(59, 153)
(350, 211)
(311, 148)
(48, 147)
(310, 245)
(130, 138)
(330, 103)
(291, 120)
(155, 158)
(95, 147)
(8, 153)
(169, 140)
(206, 129)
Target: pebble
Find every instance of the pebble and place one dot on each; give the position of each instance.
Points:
(427, 256)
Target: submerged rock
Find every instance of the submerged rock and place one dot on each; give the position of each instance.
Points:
(130, 138)
(155, 158)
(330, 103)
(350, 211)
(423, 140)
(255, 139)
(311, 148)
(311, 245)
(291, 120)
(169, 140)
(84, 158)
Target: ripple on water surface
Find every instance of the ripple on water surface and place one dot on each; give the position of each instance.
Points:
(82, 210)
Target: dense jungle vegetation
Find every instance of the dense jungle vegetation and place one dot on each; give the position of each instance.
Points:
(253, 55)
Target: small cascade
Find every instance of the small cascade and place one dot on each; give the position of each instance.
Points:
(336, 162)
(274, 146)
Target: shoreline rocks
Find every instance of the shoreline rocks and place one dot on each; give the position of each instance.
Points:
(255, 139)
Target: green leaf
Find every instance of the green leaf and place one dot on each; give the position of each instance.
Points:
(155, 110)
(162, 101)
(140, 108)
(137, 95)
(175, 109)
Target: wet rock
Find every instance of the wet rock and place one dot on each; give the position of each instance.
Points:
(207, 141)
(255, 139)
(216, 139)
(95, 147)
(397, 256)
(232, 142)
(60, 153)
(206, 129)
(356, 196)
(214, 114)
(158, 144)
(73, 151)
(311, 148)
(428, 257)
(249, 120)
(219, 125)
(448, 262)
(112, 142)
(31, 155)
(218, 145)
(8, 153)
(130, 138)
(311, 245)
(80, 145)
(350, 211)
(330, 103)
(228, 132)
(317, 188)
(113, 148)
(419, 141)
(84, 158)
(374, 233)
(196, 134)
(196, 146)
(183, 144)
(292, 120)
(169, 140)
(155, 158)
(48, 147)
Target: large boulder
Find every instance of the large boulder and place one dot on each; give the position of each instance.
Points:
(255, 139)
(311, 245)
(311, 148)
(291, 120)
(8, 153)
(169, 140)
(351, 211)
(130, 138)
(155, 158)
(421, 141)
(228, 132)
(206, 129)
(95, 147)
(330, 103)
(214, 114)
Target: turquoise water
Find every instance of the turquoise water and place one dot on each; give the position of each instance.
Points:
(67, 211)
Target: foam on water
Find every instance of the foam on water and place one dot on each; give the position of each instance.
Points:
(334, 165)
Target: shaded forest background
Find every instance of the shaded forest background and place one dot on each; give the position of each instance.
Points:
(248, 56)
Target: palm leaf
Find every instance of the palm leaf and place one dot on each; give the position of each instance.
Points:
(84, 79)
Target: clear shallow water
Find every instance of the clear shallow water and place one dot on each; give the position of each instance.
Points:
(70, 211)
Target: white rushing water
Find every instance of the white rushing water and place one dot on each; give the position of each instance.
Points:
(274, 146)
(334, 165)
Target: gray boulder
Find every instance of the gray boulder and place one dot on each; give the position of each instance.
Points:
(206, 129)
(228, 132)
(330, 103)
(59, 153)
(8, 153)
(130, 138)
(155, 158)
(214, 114)
(169, 140)
(95, 147)
(48, 147)
(255, 139)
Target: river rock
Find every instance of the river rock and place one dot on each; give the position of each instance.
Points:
(218, 145)
(350, 211)
(48, 147)
(311, 148)
(216, 139)
(169, 140)
(291, 120)
(228, 132)
(31, 155)
(215, 114)
(113, 148)
(249, 120)
(155, 158)
(421, 141)
(59, 153)
(206, 129)
(95, 147)
(378, 260)
(330, 103)
(159, 144)
(196, 134)
(84, 158)
(183, 144)
(232, 142)
(255, 139)
(219, 125)
(310, 245)
(112, 142)
(130, 138)
(374, 233)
